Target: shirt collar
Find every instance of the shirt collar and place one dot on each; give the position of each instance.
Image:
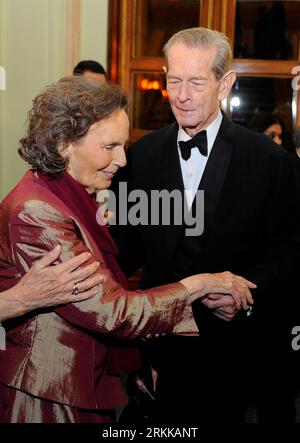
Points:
(212, 131)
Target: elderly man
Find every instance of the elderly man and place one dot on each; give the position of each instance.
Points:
(249, 228)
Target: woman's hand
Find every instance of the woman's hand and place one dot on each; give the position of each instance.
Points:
(221, 283)
(46, 285)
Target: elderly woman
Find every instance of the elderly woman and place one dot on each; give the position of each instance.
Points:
(61, 364)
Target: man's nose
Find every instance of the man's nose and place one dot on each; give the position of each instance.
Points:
(183, 93)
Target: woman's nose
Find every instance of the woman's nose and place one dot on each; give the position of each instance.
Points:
(277, 139)
(120, 157)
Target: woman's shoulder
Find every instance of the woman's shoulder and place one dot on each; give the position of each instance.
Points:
(30, 198)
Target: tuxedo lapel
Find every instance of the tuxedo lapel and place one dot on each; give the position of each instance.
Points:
(215, 172)
(170, 174)
(212, 181)
(170, 179)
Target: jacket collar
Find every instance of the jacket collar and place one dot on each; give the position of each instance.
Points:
(212, 181)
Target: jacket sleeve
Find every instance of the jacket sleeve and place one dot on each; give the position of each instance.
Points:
(38, 226)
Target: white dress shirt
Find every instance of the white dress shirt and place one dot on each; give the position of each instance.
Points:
(193, 168)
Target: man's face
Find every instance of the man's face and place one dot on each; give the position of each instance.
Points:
(95, 76)
(192, 87)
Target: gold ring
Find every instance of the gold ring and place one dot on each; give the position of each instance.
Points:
(75, 289)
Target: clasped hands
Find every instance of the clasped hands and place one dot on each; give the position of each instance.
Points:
(225, 306)
(222, 305)
(224, 293)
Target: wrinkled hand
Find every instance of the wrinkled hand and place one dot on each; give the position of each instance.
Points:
(46, 285)
(223, 306)
(224, 283)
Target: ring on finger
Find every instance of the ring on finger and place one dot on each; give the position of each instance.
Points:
(75, 289)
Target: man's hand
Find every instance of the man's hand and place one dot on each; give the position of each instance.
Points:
(223, 306)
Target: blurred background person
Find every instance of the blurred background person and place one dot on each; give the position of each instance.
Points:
(268, 124)
(91, 69)
(284, 112)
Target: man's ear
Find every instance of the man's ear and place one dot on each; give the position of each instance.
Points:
(227, 82)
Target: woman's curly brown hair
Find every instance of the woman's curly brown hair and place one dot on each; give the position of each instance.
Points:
(62, 114)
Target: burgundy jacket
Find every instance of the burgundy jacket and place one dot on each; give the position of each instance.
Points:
(65, 354)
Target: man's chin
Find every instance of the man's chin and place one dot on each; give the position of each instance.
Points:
(186, 124)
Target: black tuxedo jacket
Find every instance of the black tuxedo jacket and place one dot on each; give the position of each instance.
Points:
(251, 228)
(296, 164)
(251, 224)
(251, 208)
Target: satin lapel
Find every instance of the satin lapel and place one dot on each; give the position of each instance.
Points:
(170, 179)
(215, 172)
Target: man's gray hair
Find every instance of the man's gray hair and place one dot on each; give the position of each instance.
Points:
(205, 38)
(296, 137)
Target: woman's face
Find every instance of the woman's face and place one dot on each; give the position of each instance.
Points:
(94, 159)
(275, 132)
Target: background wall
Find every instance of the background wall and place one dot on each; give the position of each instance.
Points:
(32, 51)
(93, 31)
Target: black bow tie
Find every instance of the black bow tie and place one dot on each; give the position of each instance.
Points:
(198, 141)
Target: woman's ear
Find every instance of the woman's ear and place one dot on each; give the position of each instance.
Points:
(227, 82)
(65, 150)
